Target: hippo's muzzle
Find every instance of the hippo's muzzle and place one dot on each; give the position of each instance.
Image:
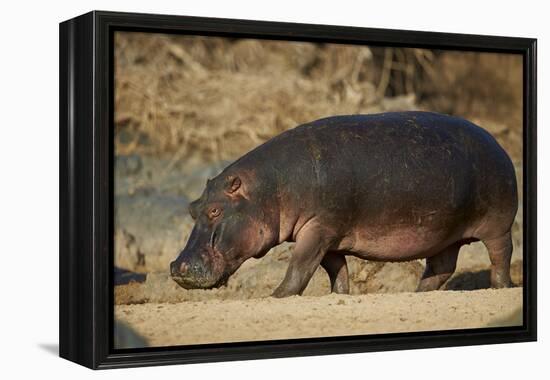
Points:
(196, 274)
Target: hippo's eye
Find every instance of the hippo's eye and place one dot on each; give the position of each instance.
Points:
(215, 212)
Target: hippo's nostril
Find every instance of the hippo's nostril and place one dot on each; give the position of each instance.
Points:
(177, 268)
(183, 267)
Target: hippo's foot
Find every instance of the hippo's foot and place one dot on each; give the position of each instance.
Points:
(293, 285)
(337, 270)
(282, 293)
(500, 253)
(439, 268)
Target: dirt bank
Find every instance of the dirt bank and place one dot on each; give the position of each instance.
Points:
(215, 321)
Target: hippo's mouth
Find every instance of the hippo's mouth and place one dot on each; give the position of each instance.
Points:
(194, 283)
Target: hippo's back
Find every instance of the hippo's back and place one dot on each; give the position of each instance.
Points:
(390, 168)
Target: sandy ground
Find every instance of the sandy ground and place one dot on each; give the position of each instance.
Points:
(217, 321)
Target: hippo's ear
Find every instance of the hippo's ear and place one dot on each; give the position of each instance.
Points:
(232, 184)
(194, 209)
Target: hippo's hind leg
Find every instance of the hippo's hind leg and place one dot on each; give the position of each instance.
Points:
(439, 268)
(500, 253)
(337, 269)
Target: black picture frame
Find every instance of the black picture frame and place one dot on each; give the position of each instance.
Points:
(86, 189)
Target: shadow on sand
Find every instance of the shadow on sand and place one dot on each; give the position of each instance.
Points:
(481, 279)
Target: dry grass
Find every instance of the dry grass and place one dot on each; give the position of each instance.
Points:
(215, 98)
(219, 98)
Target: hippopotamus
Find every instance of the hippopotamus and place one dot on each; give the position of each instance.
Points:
(388, 187)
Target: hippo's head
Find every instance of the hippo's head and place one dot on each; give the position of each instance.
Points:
(229, 229)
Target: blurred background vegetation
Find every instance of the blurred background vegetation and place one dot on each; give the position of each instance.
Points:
(215, 98)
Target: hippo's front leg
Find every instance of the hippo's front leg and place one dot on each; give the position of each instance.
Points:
(311, 246)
